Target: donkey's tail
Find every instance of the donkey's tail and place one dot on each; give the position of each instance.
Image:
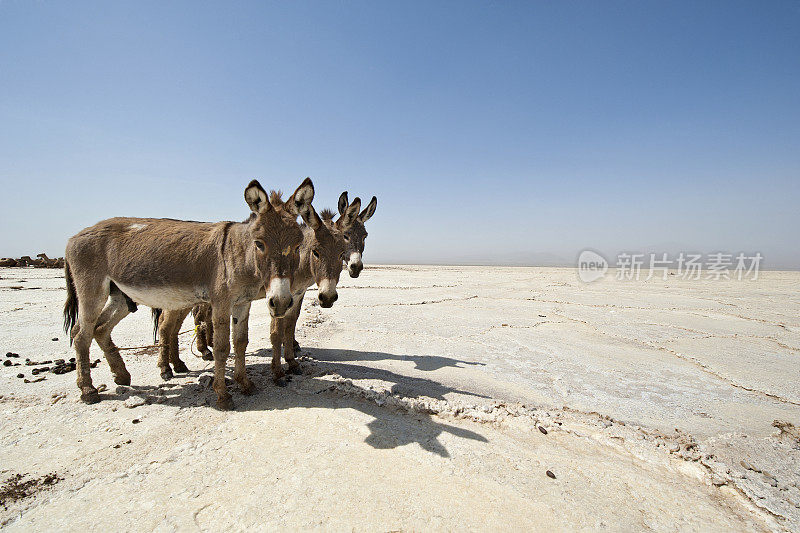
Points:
(71, 305)
(156, 316)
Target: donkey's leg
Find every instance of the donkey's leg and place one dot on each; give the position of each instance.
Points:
(221, 316)
(115, 310)
(174, 358)
(276, 338)
(203, 328)
(92, 293)
(288, 335)
(166, 325)
(241, 317)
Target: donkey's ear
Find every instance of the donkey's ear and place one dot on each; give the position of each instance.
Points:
(256, 197)
(343, 202)
(367, 213)
(300, 202)
(350, 215)
(311, 218)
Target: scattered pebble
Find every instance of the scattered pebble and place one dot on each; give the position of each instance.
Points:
(133, 401)
(20, 375)
(135, 421)
(550, 474)
(55, 338)
(747, 466)
(102, 387)
(542, 430)
(542, 316)
(505, 325)
(7, 362)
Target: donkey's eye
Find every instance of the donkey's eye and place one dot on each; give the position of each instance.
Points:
(316, 253)
(260, 246)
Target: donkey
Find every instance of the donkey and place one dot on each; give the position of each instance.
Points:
(172, 264)
(321, 255)
(357, 234)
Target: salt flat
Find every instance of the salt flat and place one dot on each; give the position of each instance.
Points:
(667, 404)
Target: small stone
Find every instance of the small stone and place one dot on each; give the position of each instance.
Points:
(35, 371)
(746, 465)
(20, 375)
(55, 339)
(102, 387)
(550, 474)
(675, 448)
(771, 480)
(542, 430)
(133, 401)
(135, 421)
(542, 316)
(7, 362)
(505, 325)
(59, 362)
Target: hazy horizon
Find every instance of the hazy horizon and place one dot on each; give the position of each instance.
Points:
(513, 133)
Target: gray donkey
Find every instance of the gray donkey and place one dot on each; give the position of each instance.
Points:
(173, 264)
(357, 235)
(321, 255)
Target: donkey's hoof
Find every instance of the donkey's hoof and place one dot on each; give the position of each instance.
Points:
(296, 346)
(208, 356)
(225, 403)
(180, 367)
(123, 379)
(166, 374)
(247, 387)
(296, 369)
(89, 395)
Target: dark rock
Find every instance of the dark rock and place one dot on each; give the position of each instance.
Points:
(55, 338)
(550, 474)
(542, 430)
(20, 375)
(7, 362)
(135, 421)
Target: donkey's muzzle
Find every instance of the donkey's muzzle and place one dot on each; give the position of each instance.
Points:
(326, 300)
(279, 306)
(354, 269)
(279, 297)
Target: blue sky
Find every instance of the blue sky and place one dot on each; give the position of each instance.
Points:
(490, 131)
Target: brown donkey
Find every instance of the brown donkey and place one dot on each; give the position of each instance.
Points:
(173, 264)
(321, 255)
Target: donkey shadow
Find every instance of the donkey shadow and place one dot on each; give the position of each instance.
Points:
(425, 363)
(390, 428)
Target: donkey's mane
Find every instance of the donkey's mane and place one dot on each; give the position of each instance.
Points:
(276, 197)
(327, 214)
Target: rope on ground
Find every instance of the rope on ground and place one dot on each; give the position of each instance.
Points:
(154, 345)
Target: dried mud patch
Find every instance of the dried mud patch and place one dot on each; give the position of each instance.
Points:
(17, 487)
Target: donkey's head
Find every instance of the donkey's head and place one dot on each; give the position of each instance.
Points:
(356, 235)
(274, 238)
(326, 248)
